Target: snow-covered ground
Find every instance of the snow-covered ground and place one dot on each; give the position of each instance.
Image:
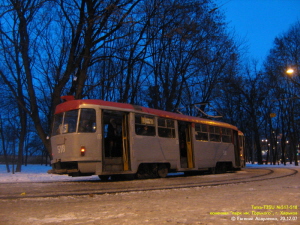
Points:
(34, 173)
(212, 205)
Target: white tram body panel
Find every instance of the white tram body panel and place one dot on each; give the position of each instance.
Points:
(207, 154)
(94, 137)
(153, 149)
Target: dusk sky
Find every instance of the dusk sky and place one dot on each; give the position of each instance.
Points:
(260, 21)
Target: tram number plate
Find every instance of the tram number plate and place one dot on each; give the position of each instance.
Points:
(61, 148)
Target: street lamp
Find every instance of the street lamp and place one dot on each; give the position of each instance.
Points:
(290, 71)
(265, 150)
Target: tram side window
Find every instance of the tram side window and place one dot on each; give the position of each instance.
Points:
(87, 121)
(166, 128)
(201, 132)
(226, 135)
(214, 134)
(144, 125)
(57, 124)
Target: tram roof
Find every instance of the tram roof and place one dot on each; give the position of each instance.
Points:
(72, 104)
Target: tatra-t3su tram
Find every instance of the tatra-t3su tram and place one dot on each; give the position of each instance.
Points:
(96, 137)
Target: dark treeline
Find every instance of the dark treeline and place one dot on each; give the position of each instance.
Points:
(164, 54)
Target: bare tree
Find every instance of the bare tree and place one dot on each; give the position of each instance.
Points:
(2, 131)
(96, 24)
(183, 30)
(41, 60)
(285, 55)
(245, 95)
(162, 52)
(15, 43)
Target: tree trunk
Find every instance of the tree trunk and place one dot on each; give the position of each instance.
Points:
(3, 146)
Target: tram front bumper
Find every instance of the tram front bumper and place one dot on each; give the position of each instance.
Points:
(62, 171)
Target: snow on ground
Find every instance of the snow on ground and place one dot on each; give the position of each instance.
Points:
(34, 173)
(224, 204)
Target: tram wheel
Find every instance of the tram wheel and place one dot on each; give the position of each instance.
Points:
(221, 167)
(162, 170)
(104, 177)
(212, 170)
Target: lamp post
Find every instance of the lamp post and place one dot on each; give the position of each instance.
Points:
(292, 72)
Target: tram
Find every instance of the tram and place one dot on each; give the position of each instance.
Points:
(96, 137)
(242, 148)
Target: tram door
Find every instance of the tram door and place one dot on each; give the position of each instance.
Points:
(186, 145)
(115, 141)
(236, 148)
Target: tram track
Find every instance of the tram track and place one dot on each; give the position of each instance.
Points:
(91, 188)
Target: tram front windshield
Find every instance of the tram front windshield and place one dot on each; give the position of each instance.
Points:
(79, 120)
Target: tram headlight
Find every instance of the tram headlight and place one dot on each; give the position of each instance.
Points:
(82, 151)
